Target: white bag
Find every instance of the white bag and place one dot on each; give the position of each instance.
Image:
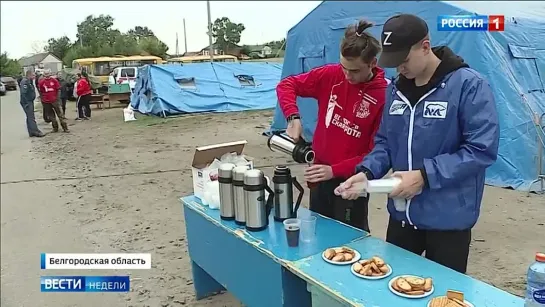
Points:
(128, 114)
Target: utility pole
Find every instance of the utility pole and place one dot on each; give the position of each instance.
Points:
(177, 49)
(211, 48)
(185, 39)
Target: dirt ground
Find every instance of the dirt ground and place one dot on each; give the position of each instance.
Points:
(131, 175)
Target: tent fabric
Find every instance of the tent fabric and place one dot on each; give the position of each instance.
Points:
(172, 89)
(512, 61)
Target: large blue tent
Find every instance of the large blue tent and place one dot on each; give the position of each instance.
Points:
(171, 89)
(513, 61)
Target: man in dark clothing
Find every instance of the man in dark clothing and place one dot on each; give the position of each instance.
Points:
(63, 93)
(28, 94)
(439, 133)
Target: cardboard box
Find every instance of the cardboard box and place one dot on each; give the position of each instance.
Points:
(205, 155)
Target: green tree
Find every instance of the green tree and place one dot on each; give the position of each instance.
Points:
(226, 33)
(58, 46)
(97, 32)
(139, 32)
(9, 67)
(154, 46)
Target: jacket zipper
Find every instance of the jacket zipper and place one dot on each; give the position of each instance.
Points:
(410, 141)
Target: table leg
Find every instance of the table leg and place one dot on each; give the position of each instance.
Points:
(205, 285)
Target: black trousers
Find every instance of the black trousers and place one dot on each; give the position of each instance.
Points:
(84, 106)
(449, 248)
(352, 212)
(63, 105)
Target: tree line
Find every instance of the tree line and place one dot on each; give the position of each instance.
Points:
(96, 37)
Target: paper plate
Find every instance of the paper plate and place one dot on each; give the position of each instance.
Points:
(465, 302)
(357, 257)
(406, 295)
(371, 277)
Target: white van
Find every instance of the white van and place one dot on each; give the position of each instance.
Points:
(123, 75)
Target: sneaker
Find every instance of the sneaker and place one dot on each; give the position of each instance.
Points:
(66, 131)
(38, 135)
(86, 118)
(78, 118)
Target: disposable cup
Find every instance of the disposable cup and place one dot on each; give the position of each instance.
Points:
(308, 228)
(293, 229)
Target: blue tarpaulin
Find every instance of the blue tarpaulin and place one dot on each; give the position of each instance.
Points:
(512, 61)
(172, 89)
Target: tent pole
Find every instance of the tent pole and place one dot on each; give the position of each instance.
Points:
(211, 47)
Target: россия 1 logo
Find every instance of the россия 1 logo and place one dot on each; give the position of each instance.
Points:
(471, 23)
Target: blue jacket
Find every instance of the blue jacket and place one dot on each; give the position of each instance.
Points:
(452, 134)
(27, 91)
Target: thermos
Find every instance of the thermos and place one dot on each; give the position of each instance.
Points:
(238, 194)
(258, 208)
(283, 194)
(300, 152)
(227, 201)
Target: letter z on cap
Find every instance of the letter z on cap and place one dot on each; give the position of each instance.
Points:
(399, 34)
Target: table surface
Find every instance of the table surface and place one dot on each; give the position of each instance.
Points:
(272, 241)
(339, 282)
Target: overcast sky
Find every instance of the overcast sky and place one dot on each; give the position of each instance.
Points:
(28, 24)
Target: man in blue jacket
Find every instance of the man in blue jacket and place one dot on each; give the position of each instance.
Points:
(439, 133)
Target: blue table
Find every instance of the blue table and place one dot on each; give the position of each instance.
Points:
(333, 285)
(251, 265)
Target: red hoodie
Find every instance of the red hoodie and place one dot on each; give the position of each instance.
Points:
(49, 89)
(83, 88)
(348, 114)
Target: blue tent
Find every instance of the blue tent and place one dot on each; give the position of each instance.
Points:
(171, 89)
(513, 61)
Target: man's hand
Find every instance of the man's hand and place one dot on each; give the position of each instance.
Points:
(295, 129)
(353, 187)
(318, 173)
(411, 184)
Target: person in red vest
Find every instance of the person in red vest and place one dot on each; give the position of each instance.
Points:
(49, 91)
(350, 98)
(84, 91)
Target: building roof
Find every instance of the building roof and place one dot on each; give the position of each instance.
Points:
(35, 59)
(231, 45)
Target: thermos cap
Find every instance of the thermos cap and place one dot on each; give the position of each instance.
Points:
(282, 170)
(238, 172)
(254, 177)
(225, 170)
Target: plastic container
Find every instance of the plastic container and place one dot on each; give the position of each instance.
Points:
(293, 229)
(535, 289)
(308, 228)
(386, 185)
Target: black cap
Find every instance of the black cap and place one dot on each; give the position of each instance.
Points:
(399, 34)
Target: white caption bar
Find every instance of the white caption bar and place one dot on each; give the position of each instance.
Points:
(95, 261)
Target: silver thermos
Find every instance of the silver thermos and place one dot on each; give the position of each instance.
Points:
(283, 194)
(227, 200)
(300, 152)
(238, 194)
(258, 208)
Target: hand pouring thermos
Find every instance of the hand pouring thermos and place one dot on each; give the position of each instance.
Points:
(238, 194)
(258, 208)
(227, 200)
(283, 194)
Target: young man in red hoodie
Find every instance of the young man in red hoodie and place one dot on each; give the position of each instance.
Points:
(49, 91)
(350, 99)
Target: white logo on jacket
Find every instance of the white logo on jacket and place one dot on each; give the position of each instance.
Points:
(435, 109)
(397, 108)
(336, 119)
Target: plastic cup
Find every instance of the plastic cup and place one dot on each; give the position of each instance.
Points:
(308, 228)
(293, 228)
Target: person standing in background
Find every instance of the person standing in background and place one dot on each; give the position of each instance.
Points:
(28, 94)
(63, 93)
(350, 98)
(84, 91)
(49, 88)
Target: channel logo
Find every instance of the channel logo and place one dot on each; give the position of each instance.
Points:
(479, 23)
(85, 284)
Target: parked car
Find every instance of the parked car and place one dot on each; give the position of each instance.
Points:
(10, 83)
(2, 89)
